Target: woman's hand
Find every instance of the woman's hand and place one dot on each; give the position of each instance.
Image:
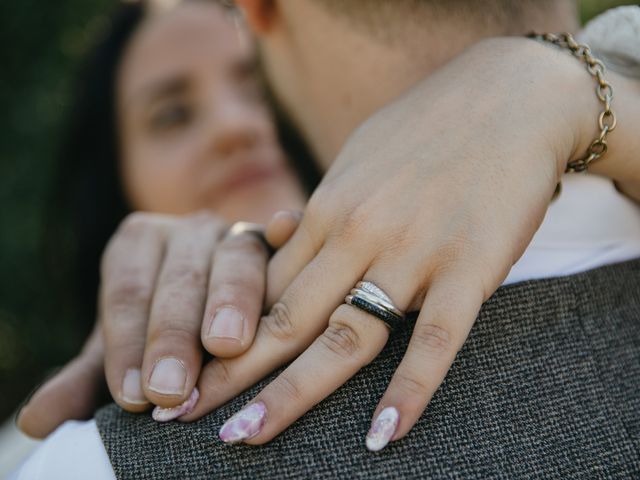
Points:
(165, 281)
(433, 200)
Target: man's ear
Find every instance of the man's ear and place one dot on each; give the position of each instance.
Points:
(259, 14)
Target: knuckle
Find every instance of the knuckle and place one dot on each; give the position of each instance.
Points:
(435, 340)
(184, 272)
(176, 306)
(130, 289)
(279, 322)
(216, 380)
(137, 227)
(316, 205)
(351, 226)
(358, 224)
(135, 223)
(204, 218)
(124, 346)
(288, 387)
(235, 292)
(462, 245)
(411, 385)
(321, 207)
(341, 339)
(447, 256)
(223, 375)
(172, 333)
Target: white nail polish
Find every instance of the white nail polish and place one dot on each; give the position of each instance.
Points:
(160, 414)
(245, 424)
(383, 429)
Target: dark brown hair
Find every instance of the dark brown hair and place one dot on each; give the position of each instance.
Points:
(87, 201)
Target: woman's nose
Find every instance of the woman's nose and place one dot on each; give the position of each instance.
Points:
(235, 127)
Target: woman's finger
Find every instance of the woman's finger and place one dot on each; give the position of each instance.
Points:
(291, 259)
(352, 339)
(291, 326)
(281, 227)
(173, 352)
(447, 315)
(130, 267)
(236, 294)
(73, 393)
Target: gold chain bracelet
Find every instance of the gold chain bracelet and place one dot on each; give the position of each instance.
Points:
(604, 91)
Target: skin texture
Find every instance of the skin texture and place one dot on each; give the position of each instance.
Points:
(196, 133)
(459, 146)
(486, 169)
(196, 136)
(128, 334)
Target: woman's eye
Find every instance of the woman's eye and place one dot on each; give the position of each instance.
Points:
(171, 117)
(252, 89)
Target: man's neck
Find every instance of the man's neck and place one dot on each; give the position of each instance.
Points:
(345, 88)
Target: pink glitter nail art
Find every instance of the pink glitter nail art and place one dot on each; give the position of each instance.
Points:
(245, 424)
(167, 414)
(383, 429)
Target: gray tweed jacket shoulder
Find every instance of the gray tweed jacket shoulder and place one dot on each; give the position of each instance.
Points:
(546, 386)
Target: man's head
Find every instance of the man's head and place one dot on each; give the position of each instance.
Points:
(332, 63)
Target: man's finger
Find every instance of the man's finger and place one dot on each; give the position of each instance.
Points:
(173, 352)
(129, 270)
(236, 295)
(448, 313)
(292, 324)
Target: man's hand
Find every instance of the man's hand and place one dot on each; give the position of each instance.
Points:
(169, 285)
(72, 393)
(433, 199)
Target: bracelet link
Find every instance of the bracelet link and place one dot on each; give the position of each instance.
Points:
(607, 119)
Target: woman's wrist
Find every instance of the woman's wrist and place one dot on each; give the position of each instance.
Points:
(622, 161)
(572, 93)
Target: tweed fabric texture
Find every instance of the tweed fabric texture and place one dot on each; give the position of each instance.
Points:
(546, 386)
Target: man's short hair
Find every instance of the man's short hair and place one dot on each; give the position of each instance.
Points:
(380, 15)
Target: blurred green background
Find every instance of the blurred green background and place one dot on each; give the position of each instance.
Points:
(41, 44)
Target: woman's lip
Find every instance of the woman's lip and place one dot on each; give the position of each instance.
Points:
(248, 176)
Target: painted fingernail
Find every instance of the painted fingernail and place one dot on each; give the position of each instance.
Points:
(132, 388)
(168, 377)
(228, 323)
(245, 424)
(160, 414)
(382, 429)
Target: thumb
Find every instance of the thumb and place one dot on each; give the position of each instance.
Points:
(281, 227)
(71, 394)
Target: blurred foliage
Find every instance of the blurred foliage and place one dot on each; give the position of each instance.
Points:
(40, 45)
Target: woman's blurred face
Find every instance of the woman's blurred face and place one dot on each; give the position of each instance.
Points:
(194, 130)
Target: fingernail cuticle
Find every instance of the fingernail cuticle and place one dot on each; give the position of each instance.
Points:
(169, 377)
(132, 388)
(227, 323)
